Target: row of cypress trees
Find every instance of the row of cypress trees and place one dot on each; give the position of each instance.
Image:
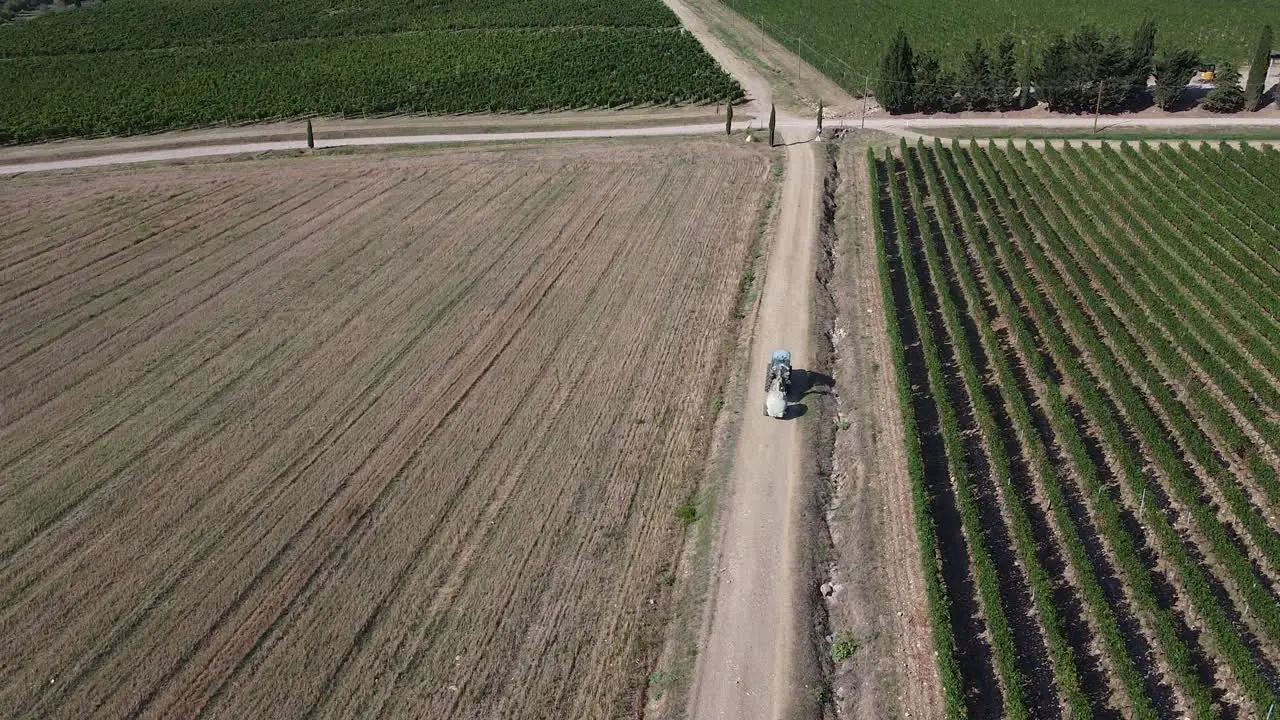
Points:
(1083, 72)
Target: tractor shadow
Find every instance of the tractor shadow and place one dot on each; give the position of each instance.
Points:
(805, 383)
(794, 410)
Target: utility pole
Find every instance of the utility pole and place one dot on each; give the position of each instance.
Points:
(762, 30)
(1097, 109)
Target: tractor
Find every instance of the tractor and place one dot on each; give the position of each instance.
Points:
(777, 384)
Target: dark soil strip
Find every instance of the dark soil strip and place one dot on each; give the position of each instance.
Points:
(1139, 646)
(1015, 587)
(1165, 593)
(983, 697)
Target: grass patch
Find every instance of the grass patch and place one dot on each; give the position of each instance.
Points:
(687, 514)
(843, 648)
(745, 294)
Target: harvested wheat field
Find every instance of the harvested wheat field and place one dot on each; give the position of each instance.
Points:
(368, 435)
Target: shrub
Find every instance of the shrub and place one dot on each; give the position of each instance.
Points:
(843, 648)
(897, 80)
(1172, 70)
(1227, 95)
(687, 513)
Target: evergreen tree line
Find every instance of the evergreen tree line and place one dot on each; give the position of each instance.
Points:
(1083, 72)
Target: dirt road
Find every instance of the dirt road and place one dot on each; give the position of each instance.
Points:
(745, 667)
(28, 158)
(203, 151)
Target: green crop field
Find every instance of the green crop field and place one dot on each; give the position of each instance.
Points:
(845, 39)
(1091, 381)
(128, 66)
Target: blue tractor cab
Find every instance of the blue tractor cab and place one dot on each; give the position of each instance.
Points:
(777, 383)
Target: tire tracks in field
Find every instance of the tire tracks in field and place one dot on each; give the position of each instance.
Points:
(188, 302)
(7, 552)
(629, 381)
(645, 509)
(29, 412)
(259, 361)
(52, 239)
(35, 342)
(221, 420)
(359, 525)
(389, 686)
(120, 254)
(390, 259)
(370, 400)
(209, 335)
(38, 226)
(465, 549)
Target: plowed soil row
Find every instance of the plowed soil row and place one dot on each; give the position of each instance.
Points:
(399, 435)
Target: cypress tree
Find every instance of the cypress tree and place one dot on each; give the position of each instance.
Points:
(773, 120)
(1142, 55)
(1024, 80)
(819, 116)
(311, 139)
(1255, 86)
(1172, 71)
(895, 87)
(1005, 74)
(979, 82)
(1226, 96)
(728, 117)
(1073, 70)
(935, 87)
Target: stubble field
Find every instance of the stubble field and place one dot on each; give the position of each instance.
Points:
(393, 436)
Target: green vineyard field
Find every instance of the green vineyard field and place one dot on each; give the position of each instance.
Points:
(845, 39)
(1090, 370)
(131, 66)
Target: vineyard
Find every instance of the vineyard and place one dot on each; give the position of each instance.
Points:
(1090, 382)
(129, 67)
(843, 45)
